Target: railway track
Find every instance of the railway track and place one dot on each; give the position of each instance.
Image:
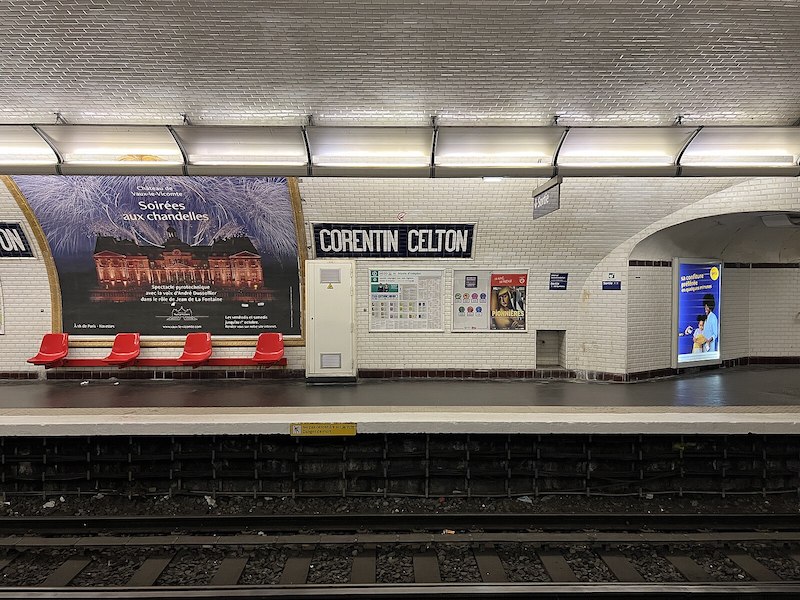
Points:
(400, 522)
(543, 556)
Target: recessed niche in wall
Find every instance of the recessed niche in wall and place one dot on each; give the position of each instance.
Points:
(551, 348)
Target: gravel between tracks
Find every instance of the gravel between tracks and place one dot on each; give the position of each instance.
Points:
(192, 566)
(111, 566)
(394, 565)
(331, 564)
(33, 567)
(651, 564)
(521, 563)
(264, 566)
(100, 504)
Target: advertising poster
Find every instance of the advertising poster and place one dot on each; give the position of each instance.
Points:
(405, 300)
(486, 300)
(171, 255)
(698, 310)
(508, 301)
(471, 300)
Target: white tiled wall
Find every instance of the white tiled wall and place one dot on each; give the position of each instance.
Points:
(736, 307)
(26, 296)
(649, 318)
(774, 312)
(597, 217)
(760, 315)
(600, 222)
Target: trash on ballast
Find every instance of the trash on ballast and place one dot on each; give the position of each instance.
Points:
(525, 499)
(649, 496)
(448, 532)
(62, 499)
(210, 501)
(84, 383)
(49, 504)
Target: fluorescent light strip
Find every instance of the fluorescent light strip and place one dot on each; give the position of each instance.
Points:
(616, 165)
(776, 158)
(248, 163)
(372, 165)
(372, 159)
(122, 163)
(492, 163)
(42, 161)
(736, 164)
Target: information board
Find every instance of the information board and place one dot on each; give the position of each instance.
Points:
(558, 281)
(403, 300)
(485, 300)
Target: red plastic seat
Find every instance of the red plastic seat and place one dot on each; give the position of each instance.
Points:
(196, 349)
(125, 350)
(269, 348)
(53, 350)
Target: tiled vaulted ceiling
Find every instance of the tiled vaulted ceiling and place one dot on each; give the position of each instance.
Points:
(608, 62)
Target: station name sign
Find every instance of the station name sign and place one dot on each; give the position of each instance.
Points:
(428, 240)
(13, 242)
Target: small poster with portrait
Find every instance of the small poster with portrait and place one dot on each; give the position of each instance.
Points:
(485, 300)
(508, 301)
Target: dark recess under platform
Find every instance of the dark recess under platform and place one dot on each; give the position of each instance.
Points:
(423, 465)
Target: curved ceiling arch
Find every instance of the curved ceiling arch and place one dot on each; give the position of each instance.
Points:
(753, 237)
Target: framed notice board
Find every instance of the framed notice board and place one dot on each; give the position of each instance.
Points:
(405, 300)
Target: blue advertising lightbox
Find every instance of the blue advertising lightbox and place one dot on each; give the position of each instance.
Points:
(697, 311)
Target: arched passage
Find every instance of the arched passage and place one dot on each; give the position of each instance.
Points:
(760, 297)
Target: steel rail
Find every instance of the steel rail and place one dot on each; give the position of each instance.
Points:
(423, 591)
(110, 541)
(402, 522)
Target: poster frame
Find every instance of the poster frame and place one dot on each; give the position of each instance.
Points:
(676, 270)
(158, 341)
(490, 271)
(442, 274)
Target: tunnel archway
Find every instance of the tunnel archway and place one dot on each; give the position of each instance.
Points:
(749, 237)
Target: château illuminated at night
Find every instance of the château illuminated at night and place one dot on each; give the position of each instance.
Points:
(231, 265)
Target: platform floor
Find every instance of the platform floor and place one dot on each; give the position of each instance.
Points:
(764, 400)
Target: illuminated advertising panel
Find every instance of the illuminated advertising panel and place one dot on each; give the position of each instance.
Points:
(169, 255)
(697, 311)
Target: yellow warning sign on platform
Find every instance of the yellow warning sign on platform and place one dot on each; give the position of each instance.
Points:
(321, 429)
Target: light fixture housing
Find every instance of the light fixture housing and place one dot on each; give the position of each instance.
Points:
(115, 149)
(622, 151)
(25, 152)
(743, 151)
(496, 151)
(370, 151)
(234, 150)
